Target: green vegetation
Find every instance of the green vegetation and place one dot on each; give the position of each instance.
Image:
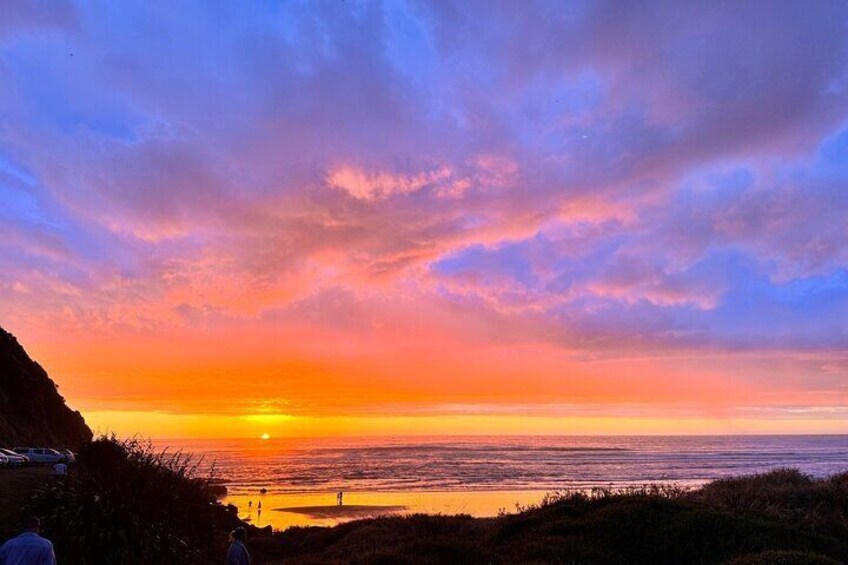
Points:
(128, 503)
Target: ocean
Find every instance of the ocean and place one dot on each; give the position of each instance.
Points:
(480, 476)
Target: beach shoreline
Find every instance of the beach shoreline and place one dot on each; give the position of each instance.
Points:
(353, 511)
(285, 510)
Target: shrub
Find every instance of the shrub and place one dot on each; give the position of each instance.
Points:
(128, 503)
(788, 496)
(783, 558)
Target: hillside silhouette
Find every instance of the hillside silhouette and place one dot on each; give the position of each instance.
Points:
(32, 412)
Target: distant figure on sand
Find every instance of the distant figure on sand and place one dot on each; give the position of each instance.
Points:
(249, 505)
(237, 554)
(340, 497)
(29, 548)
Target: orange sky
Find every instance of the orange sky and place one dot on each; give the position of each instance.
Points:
(201, 383)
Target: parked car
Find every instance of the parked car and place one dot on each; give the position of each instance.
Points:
(15, 459)
(41, 455)
(4, 461)
(72, 457)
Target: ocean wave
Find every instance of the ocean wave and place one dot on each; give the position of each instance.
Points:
(514, 464)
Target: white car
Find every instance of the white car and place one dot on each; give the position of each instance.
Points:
(72, 457)
(3, 460)
(14, 459)
(41, 455)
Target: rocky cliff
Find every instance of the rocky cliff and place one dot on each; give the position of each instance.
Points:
(32, 412)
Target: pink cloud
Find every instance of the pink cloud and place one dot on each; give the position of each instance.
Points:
(381, 184)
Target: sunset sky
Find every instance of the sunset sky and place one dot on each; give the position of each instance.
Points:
(224, 219)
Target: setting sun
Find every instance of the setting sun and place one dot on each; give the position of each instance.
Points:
(265, 436)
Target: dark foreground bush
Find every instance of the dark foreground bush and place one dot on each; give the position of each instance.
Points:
(787, 496)
(127, 503)
(783, 558)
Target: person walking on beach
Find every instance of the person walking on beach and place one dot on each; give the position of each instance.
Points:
(237, 554)
(340, 497)
(29, 548)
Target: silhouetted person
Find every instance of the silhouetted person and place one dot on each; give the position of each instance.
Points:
(60, 470)
(249, 505)
(340, 497)
(237, 554)
(28, 548)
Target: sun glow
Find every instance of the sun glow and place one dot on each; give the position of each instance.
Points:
(265, 436)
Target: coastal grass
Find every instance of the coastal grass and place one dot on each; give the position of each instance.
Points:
(126, 502)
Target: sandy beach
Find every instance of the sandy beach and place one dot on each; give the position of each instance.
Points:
(352, 511)
(284, 510)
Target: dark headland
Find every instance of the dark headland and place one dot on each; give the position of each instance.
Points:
(125, 503)
(32, 412)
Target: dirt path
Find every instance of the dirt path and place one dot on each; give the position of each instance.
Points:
(16, 486)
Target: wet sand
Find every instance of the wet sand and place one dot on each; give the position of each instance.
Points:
(351, 511)
(284, 510)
